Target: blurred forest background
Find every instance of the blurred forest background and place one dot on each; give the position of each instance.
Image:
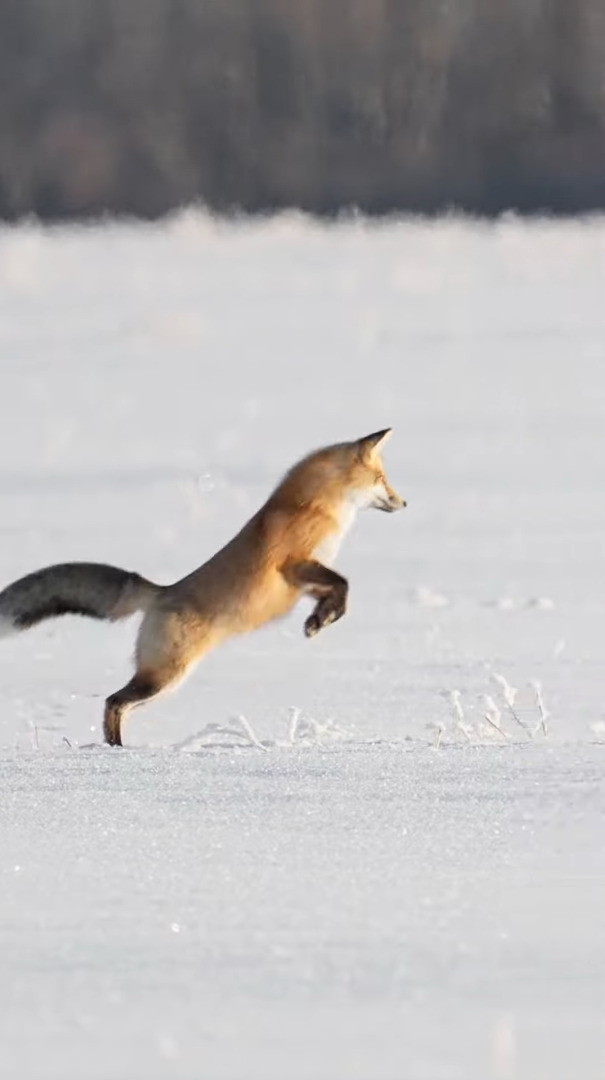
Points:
(138, 106)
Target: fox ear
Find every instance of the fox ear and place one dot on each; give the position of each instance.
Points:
(371, 444)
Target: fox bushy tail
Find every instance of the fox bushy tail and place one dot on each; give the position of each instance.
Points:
(77, 588)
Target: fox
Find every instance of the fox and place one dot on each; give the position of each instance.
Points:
(284, 552)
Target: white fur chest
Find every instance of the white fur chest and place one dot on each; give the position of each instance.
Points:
(328, 549)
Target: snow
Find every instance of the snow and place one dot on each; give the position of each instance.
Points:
(371, 855)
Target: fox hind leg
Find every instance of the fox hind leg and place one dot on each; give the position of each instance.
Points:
(142, 687)
(168, 646)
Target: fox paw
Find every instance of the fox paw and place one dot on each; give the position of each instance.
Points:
(312, 626)
(315, 622)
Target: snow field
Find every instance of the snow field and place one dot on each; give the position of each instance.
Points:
(364, 856)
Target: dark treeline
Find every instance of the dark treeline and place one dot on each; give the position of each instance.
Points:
(138, 106)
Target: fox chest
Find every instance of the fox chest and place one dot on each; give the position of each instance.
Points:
(328, 547)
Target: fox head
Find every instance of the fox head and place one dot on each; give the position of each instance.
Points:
(367, 479)
(348, 475)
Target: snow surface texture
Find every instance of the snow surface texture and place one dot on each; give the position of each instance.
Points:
(371, 856)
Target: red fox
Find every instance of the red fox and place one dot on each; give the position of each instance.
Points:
(284, 552)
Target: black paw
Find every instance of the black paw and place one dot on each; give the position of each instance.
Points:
(312, 626)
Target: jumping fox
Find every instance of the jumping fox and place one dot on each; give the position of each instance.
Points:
(284, 552)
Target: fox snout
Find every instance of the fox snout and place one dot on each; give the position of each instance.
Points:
(387, 499)
(390, 502)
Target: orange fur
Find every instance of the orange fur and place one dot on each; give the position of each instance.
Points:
(284, 552)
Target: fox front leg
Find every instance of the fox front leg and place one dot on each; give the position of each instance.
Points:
(324, 585)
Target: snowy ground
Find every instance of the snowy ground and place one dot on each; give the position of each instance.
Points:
(351, 882)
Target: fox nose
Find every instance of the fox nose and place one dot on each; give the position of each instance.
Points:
(396, 502)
